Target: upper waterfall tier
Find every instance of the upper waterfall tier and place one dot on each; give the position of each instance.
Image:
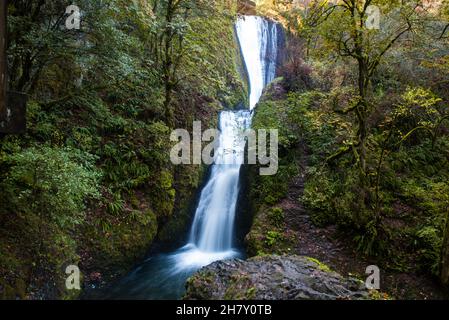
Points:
(259, 39)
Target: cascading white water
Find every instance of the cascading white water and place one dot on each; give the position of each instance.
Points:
(213, 226)
(271, 57)
(258, 41)
(212, 233)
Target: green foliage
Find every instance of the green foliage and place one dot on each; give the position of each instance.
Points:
(321, 266)
(270, 189)
(53, 183)
(272, 237)
(395, 208)
(375, 124)
(276, 215)
(429, 240)
(116, 205)
(308, 112)
(271, 115)
(99, 120)
(319, 194)
(46, 190)
(420, 110)
(164, 199)
(118, 241)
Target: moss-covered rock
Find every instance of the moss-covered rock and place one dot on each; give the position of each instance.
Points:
(188, 179)
(268, 234)
(111, 248)
(285, 277)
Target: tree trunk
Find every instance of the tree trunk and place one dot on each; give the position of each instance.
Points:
(3, 65)
(361, 112)
(444, 274)
(168, 64)
(169, 114)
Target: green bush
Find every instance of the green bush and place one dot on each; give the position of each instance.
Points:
(272, 237)
(276, 216)
(52, 183)
(428, 243)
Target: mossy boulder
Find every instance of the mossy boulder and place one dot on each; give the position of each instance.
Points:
(116, 246)
(287, 277)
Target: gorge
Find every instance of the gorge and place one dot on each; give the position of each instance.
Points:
(359, 177)
(212, 235)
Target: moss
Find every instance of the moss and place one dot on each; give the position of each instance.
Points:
(8, 292)
(239, 288)
(377, 295)
(21, 288)
(141, 191)
(163, 197)
(267, 236)
(251, 293)
(271, 200)
(13, 289)
(321, 266)
(134, 201)
(116, 246)
(268, 233)
(188, 179)
(219, 40)
(272, 237)
(200, 283)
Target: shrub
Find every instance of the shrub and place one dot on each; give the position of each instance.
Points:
(429, 241)
(276, 216)
(272, 238)
(52, 183)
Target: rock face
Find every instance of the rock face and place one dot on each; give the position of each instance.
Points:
(246, 7)
(272, 278)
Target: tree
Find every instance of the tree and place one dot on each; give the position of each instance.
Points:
(49, 187)
(444, 273)
(3, 79)
(175, 26)
(344, 30)
(31, 25)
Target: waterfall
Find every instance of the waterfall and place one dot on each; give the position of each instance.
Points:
(213, 225)
(258, 40)
(212, 232)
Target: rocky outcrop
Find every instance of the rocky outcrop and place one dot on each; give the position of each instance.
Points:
(272, 278)
(246, 7)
